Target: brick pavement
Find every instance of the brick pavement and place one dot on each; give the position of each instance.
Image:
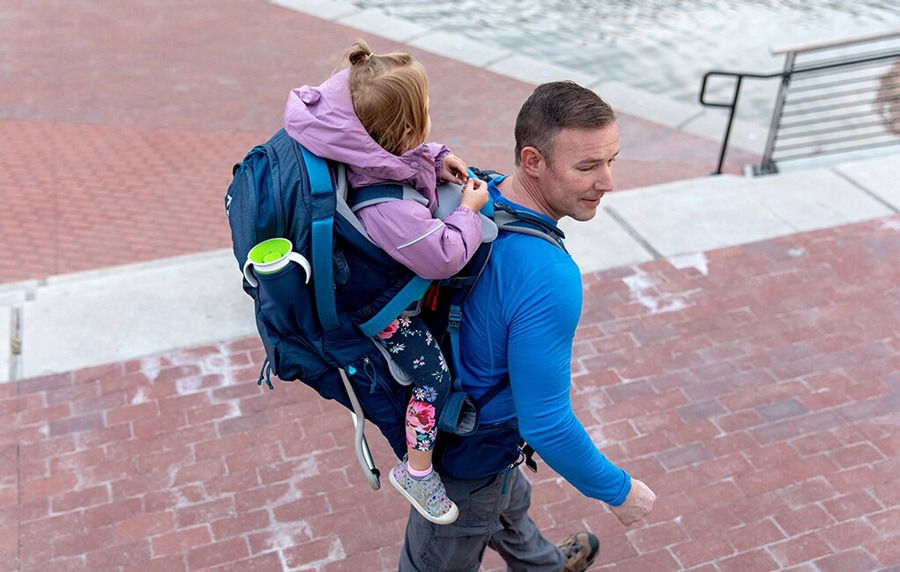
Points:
(758, 397)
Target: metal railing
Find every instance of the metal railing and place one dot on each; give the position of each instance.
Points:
(844, 96)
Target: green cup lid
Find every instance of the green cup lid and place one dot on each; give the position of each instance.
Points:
(270, 250)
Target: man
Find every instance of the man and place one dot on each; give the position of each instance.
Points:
(519, 323)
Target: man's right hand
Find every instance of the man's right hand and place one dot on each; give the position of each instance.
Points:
(637, 505)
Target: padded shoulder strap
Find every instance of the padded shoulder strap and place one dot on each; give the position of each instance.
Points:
(380, 193)
(510, 219)
(323, 201)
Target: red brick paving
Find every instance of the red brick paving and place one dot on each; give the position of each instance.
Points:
(762, 407)
(763, 410)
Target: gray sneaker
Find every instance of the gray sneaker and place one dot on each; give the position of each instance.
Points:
(580, 550)
(427, 495)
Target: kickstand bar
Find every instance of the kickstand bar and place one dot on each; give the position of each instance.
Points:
(363, 454)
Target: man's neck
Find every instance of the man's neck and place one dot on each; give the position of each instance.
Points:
(522, 191)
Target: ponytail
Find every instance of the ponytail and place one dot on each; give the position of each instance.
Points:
(390, 96)
(358, 53)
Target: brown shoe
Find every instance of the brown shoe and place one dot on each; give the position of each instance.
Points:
(580, 550)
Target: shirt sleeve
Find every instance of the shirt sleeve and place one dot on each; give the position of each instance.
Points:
(541, 332)
(432, 248)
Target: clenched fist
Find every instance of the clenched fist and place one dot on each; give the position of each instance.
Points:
(637, 505)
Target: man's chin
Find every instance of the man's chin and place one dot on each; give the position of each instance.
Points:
(586, 214)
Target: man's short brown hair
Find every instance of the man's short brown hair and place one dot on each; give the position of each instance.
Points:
(553, 107)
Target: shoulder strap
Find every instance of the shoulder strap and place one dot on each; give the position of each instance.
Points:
(380, 193)
(511, 219)
(323, 204)
(417, 286)
(323, 207)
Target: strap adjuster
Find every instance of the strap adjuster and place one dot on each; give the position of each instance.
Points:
(454, 317)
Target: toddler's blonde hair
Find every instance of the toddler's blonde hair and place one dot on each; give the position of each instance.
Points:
(390, 97)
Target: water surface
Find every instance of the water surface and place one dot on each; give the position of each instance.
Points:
(660, 46)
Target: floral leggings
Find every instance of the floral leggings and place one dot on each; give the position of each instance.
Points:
(415, 350)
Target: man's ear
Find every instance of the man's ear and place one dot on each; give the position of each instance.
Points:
(531, 160)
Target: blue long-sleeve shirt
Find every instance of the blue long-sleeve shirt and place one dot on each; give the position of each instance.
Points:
(520, 320)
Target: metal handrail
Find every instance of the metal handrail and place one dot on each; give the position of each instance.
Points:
(732, 106)
(785, 76)
(836, 43)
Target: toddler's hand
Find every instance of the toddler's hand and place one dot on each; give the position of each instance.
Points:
(474, 194)
(453, 169)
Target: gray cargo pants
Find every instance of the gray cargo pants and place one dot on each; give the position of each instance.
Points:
(492, 512)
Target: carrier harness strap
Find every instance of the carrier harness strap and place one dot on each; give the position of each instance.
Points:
(511, 219)
(453, 320)
(414, 290)
(417, 286)
(361, 197)
(453, 331)
(323, 205)
(493, 392)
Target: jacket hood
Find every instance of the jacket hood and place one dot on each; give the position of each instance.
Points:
(322, 119)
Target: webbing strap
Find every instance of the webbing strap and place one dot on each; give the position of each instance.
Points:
(453, 332)
(413, 291)
(322, 194)
(493, 392)
(454, 318)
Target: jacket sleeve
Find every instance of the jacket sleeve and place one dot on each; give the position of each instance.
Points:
(432, 248)
(438, 151)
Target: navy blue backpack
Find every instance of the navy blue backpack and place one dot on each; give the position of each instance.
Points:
(318, 328)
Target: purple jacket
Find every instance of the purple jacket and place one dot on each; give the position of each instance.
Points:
(322, 120)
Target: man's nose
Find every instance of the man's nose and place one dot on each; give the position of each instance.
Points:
(604, 180)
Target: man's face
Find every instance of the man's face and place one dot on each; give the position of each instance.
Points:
(579, 173)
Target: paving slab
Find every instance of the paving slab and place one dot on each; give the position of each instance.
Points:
(388, 27)
(816, 199)
(85, 319)
(603, 243)
(324, 9)
(696, 215)
(460, 48)
(879, 176)
(755, 389)
(535, 72)
(702, 214)
(105, 316)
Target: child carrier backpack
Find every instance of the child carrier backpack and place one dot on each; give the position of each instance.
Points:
(317, 318)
